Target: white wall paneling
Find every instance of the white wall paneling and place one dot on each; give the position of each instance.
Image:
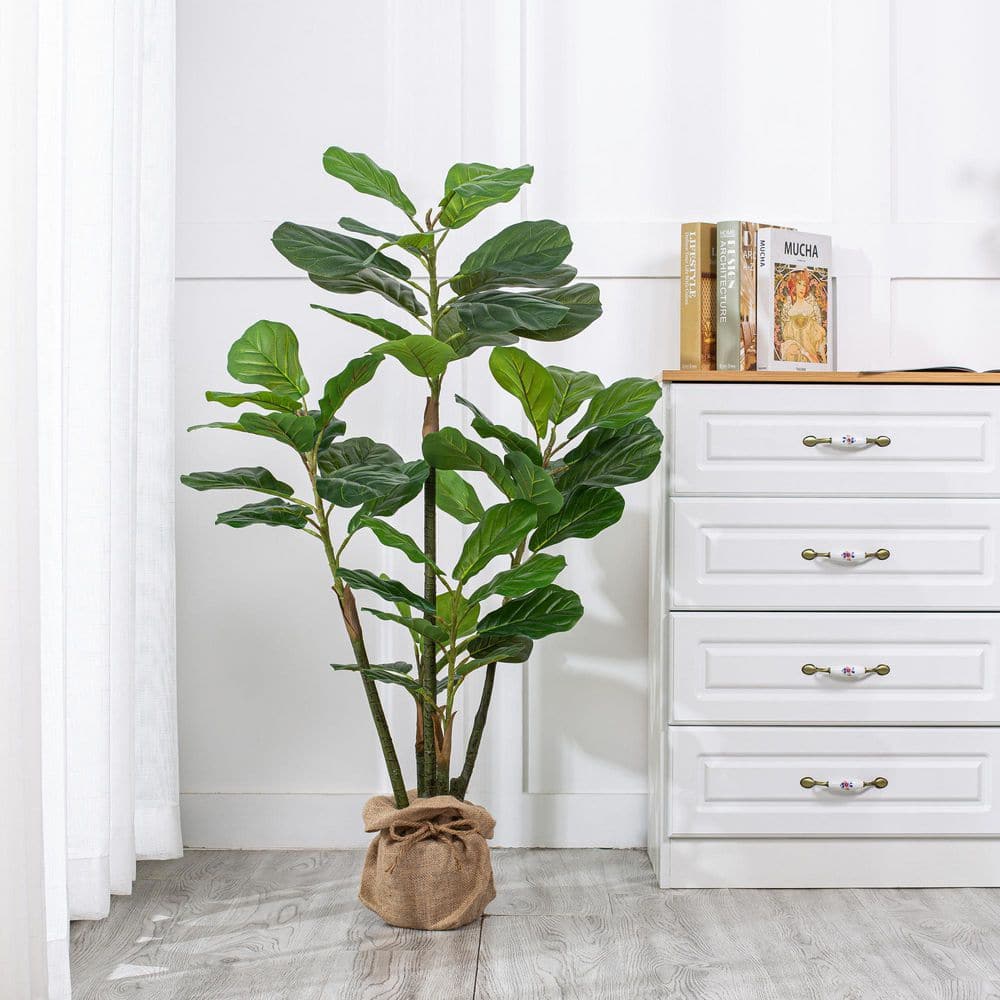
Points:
(632, 129)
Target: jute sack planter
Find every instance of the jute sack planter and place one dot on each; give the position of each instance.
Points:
(429, 867)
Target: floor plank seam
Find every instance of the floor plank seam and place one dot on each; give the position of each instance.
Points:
(479, 953)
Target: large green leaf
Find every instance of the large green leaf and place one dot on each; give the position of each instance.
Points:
(457, 497)
(555, 278)
(389, 501)
(525, 248)
(619, 405)
(355, 451)
(452, 605)
(396, 539)
(586, 512)
(466, 344)
(500, 531)
(380, 327)
(419, 353)
(534, 484)
(571, 390)
(539, 571)
(472, 187)
(355, 484)
(371, 280)
(331, 255)
(253, 478)
(616, 458)
(449, 448)
(511, 440)
(359, 372)
(391, 590)
(297, 430)
(366, 176)
(265, 400)
(505, 312)
(268, 354)
(527, 381)
(497, 649)
(583, 305)
(420, 626)
(274, 512)
(536, 615)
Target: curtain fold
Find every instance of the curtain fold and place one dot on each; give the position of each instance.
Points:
(90, 769)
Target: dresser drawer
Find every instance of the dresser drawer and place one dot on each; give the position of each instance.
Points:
(746, 554)
(748, 440)
(747, 667)
(745, 782)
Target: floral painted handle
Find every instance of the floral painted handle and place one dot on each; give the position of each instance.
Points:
(844, 784)
(846, 555)
(845, 670)
(847, 440)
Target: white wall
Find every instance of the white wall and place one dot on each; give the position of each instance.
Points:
(868, 119)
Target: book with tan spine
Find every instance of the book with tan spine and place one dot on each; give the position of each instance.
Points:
(697, 296)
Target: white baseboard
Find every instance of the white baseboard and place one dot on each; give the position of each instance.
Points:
(251, 821)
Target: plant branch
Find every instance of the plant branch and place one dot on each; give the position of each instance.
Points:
(461, 783)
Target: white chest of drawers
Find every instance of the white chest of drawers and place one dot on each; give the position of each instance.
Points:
(828, 611)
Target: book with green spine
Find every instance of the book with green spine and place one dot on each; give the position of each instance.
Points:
(736, 305)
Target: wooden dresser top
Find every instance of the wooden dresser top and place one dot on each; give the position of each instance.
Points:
(840, 378)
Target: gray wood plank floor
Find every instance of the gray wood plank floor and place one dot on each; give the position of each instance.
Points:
(581, 924)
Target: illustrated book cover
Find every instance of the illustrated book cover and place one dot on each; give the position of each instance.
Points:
(698, 296)
(736, 295)
(794, 301)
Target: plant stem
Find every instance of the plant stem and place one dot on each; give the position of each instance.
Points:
(428, 671)
(461, 783)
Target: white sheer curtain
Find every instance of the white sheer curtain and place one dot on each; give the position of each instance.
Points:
(87, 524)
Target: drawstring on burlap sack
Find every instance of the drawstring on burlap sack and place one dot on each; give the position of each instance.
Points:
(453, 833)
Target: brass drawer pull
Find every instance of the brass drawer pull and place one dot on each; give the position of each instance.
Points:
(844, 784)
(809, 669)
(847, 556)
(848, 441)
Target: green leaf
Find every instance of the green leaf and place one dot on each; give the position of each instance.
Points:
(380, 327)
(505, 312)
(500, 531)
(511, 440)
(467, 613)
(331, 255)
(555, 278)
(396, 539)
(371, 280)
(472, 187)
(386, 673)
(265, 400)
(526, 380)
(619, 405)
(571, 390)
(355, 451)
(449, 448)
(417, 243)
(223, 425)
(583, 305)
(536, 615)
(356, 226)
(414, 476)
(366, 176)
(418, 625)
(457, 497)
(465, 344)
(268, 354)
(616, 459)
(419, 353)
(497, 649)
(296, 430)
(534, 484)
(523, 249)
(539, 571)
(391, 590)
(277, 513)
(355, 484)
(359, 372)
(253, 478)
(586, 512)
(330, 432)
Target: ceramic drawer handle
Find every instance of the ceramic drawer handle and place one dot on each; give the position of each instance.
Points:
(846, 555)
(846, 670)
(847, 440)
(844, 784)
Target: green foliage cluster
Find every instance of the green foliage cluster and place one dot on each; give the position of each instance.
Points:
(519, 494)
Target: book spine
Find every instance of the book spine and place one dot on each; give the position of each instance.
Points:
(765, 300)
(748, 296)
(690, 284)
(727, 334)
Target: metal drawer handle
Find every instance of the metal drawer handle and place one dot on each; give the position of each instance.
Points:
(846, 555)
(844, 784)
(848, 441)
(846, 670)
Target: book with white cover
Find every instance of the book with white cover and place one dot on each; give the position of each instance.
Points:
(794, 301)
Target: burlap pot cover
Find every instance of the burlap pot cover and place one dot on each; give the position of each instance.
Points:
(429, 867)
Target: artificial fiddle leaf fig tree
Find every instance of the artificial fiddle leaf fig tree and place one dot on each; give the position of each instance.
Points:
(519, 492)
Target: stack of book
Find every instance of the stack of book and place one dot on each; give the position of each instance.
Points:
(755, 296)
